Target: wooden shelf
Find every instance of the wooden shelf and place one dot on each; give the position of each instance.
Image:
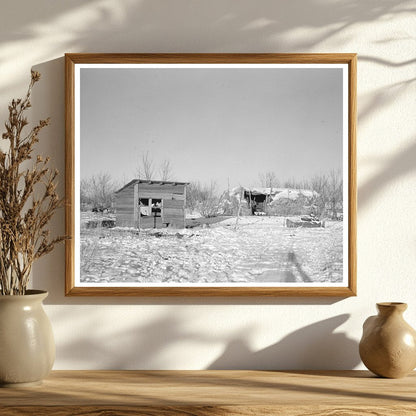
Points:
(203, 393)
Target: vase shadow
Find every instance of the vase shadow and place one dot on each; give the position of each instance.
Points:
(314, 347)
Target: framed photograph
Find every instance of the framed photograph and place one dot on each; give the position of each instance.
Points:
(211, 174)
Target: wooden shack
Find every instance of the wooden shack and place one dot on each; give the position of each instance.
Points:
(150, 204)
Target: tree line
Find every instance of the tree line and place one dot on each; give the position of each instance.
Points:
(97, 191)
(327, 187)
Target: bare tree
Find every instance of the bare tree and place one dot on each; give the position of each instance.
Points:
(328, 188)
(204, 198)
(85, 192)
(146, 168)
(98, 190)
(293, 183)
(268, 179)
(209, 200)
(319, 184)
(192, 196)
(165, 170)
(335, 185)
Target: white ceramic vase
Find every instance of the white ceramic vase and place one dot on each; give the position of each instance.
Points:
(27, 347)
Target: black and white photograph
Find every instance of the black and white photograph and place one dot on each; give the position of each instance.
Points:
(211, 175)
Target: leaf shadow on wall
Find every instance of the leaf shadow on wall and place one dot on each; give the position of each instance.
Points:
(137, 347)
(312, 347)
(401, 163)
(394, 168)
(149, 346)
(150, 26)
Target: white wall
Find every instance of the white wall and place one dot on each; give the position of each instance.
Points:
(198, 333)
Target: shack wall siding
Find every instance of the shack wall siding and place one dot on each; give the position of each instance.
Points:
(168, 188)
(159, 195)
(173, 203)
(173, 213)
(124, 203)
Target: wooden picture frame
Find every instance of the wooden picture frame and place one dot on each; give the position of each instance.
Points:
(182, 94)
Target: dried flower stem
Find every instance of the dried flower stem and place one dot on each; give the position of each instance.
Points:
(23, 217)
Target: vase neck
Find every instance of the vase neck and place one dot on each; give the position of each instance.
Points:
(390, 308)
(35, 296)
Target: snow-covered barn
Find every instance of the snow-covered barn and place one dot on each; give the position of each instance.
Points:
(258, 199)
(146, 203)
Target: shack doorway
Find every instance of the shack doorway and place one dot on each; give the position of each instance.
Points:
(150, 211)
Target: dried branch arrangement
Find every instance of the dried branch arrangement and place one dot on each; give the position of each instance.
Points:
(28, 199)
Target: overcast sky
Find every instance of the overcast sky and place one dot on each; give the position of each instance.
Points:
(212, 124)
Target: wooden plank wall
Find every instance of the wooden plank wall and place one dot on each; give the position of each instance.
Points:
(173, 212)
(161, 191)
(162, 188)
(124, 203)
(136, 208)
(159, 195)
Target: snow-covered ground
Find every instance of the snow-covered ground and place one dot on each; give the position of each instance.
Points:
(259, 249)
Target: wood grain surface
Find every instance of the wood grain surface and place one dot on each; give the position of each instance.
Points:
(202, 393)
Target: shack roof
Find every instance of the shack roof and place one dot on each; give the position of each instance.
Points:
(152, 182)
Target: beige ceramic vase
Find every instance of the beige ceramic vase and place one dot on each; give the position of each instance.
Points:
(388, 344)
(27, 347)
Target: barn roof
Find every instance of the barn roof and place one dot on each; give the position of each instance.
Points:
(150, 181)
(276, 193)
